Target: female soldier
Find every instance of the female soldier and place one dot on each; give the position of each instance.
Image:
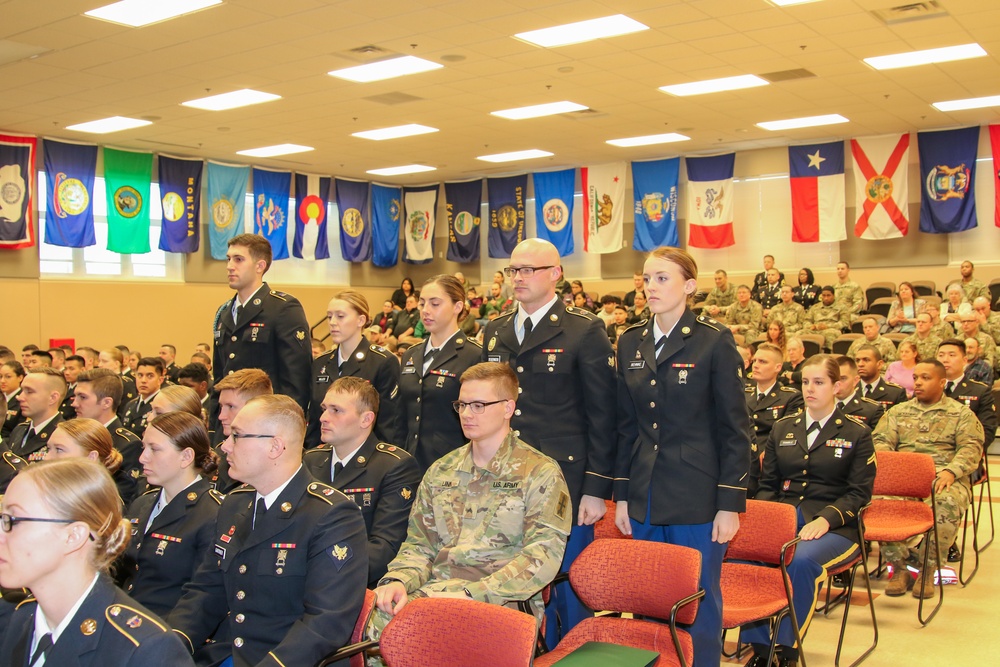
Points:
(823, 463)
(178, 398)
(172, 525)
(428, 382)
(60, 529)
(89, 439)
(679, 479)
(11, 374)
(352, 355)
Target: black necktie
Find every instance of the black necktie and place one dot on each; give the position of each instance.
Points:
(429, 358)
(44, 644)
(236, 317)
(338, 468)
(951, 387)
(812, 427)
(340, 368)
(261, 510)
(527, 328)
(760, 396)
(660, 342)
(868, 390)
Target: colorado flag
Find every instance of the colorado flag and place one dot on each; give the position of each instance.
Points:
(710, 201)
(817, 178)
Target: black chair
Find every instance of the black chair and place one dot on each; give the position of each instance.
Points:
(995, 293)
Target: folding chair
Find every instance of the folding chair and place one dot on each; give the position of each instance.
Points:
(975, 510)
(355, 650)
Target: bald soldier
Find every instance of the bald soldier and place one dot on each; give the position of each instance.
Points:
(886, 348)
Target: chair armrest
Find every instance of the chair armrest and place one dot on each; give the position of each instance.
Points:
(673, 623)
(347, 652)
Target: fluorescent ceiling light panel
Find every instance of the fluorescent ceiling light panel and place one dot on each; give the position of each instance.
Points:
(277, 149)
(808, 121)
(136, 13)
(970, 103)
(648, 140)
(582, 31)
(106, 125)
(399, 171)
(233, 100)
(927, 57)
(395, 132)
(514, 155)
(714, 85)
(385, 69)
(539, 110)
(787, 3)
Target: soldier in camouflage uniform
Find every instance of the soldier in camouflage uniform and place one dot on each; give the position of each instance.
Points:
(792, 314)
(872, 337)
(827, 318)
(931, 423)
(972, 288)
(939, 328)
(987, 348)
(848, 293)
(491, 518)
(923, 339)
(721, 297)
(745, 317)
(989, 321)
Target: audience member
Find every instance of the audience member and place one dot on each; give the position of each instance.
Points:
(852, 403)
(58, 357)
(88, 439)
(885, 347)
(972, 288)
(404, 291)
(607, 310)
(760, 281)
(827, 318)
(75, 364)
(721, 297)
(639, 312)
(806, 293)
(791, 372)
(769, 295)
(234, 391)
(620, 324)
(745, 316)
(168, 353)
(976, 367)
(768, 401)
(148, 380)
(637, 286)
(776, 336)
(11, 376)
(901, 370)
(196, 377)
(954, 306)
(791, 314)
(42, 392)
(39, 359)
(112, 359)
(969, 324)
(989, 320)
(922, 337)
(873, 385)
(848, 293)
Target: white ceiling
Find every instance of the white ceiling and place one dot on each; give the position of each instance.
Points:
(92, 69)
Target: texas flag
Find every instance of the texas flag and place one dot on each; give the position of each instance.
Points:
(880, 186)
(710, 201)
(817, 178)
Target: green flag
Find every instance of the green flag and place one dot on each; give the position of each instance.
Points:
(126, 180)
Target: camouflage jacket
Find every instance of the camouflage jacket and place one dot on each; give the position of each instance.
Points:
(746, 320)
(793, 315)
(830, 317)
(721, 298)
(849, 295)
(926, 347)
(885, 347)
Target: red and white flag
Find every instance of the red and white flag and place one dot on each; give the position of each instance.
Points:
(880, 186)
(603, 206)
(710, 201)
(995, 145)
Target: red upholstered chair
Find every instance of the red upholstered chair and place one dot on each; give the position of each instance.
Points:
(453, 632)
(647, 579)
(981, 480)
(906, 476)
(755, 584)
(606, 528)
(355, 650)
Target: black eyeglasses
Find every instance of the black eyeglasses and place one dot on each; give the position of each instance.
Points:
(244, 436)
(7, 522)
(525, 271)
(477, 407)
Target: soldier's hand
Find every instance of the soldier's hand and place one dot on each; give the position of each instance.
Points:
(944, 481)
(725, 526)
(815, 529)
(391, 597)
(592, 509)
(621, 517)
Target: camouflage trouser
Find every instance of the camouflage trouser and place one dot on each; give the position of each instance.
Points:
(829, 335)
(951, 505)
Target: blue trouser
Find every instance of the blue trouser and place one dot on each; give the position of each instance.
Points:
(565, 610)
(706, 631)
(806, 571)
(228, 662)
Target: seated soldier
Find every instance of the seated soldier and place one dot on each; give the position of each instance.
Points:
(75, 364)
(886, 348)
(148, 380)
(39, 359)
(931, 423)
(42, 392)
(969, 324)
(852, 403)
(976, 367)
(769, 295)
(940, 328)
(380, 477)
(989, 320)
(926, 341)
(196, 377)
(827, 318)
(788, 311)
(496, 478)
(745, 316)
(768, 401)
(849, 294)
(873, 385)
(234, 391)
(721, 297)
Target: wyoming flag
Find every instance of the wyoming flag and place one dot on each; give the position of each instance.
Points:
(880, 191)
(604, 206)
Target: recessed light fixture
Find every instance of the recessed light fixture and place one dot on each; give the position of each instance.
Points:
(274, 151)
(136, 13)
(399, 171)
(395, 132)
(514, 155)
(913, 58)
(385, 69)
(969, 103)
(648, 140)
(786, 3)
(233, 100)
(808, 121)
(106, 125)
(539, 110)
(714, 85)
(582, 31)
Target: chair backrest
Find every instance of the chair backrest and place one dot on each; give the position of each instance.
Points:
(906, 474)
(605, 528)
(932, 301)
(896, 338)
(881, 306)
(765, 527)
(843, 342)
(924, 287)
(879, 291)
(452, 632)
(358, 634)
(811, 343)
(637, 576)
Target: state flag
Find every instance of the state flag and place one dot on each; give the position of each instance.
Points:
(880, 189)
(180, 201)
(818, 202)
(554, 208)
(312, 203)
(227, 191)
(710, 201)
(654, 191)
(271, 192)
(464, 204)
(604, 204)
(995, 147)
(355, 230)
(420, 205)
(127, 178)
(506, 198)
(948, 177)
(70, 170)
(386, 209)
(17, 187)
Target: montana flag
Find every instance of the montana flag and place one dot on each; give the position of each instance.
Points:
(464, 204)
(271, 190)
(312, 202)
(817, 181)
(127, 178)
(420, 205)
(710, 201)
(180, 200)
(603, 189)
(995, 146)
(554, 208)
(69, 174)
(948, 176)
(506, 206)
(227, 191)
(880, 190)
(355, 223)
(654, 190)
(386, 207)
(17, 187)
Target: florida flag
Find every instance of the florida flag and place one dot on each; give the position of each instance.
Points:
(710, 201)
(880, 191)
(603, 206)
(817, 178)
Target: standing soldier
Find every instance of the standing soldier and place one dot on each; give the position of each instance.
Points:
(848, 293)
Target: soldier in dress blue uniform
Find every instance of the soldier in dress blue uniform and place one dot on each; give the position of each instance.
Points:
(850, 400)
(113, 360)
(873, 385)
(429, 378)
(768, 402)
(683, 433)
(173, 526)
(260, 327)
(75, 364)
(61, 528)
(353, 356)
(148, 380)
(287, 571)
(823, 463)
(565, 367)
(83, 437)
(380, 477)
(41, 394)
(233, 393)
(11, 375)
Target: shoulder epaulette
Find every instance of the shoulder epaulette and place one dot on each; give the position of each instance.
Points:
(379, 350)
(392, 450)
(27, 600)
(638, 324)
(133, 619)
(708, 322)
(981, 384)
(13, 460)
(125, 433)
(580, 312)
(155, 489)
(216, 496)
(797, 414)
(242, 488)
(748, 388)
(856, 420)
(865, 398)
(279, 295)
(789, 389)
(322, 449)
(473, 341)
(324, 492)
(506, 313)
(891, 384)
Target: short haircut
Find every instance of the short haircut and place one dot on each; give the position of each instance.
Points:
(772, 348)
(796, 340)
(155, 362)
(285, 412)
(770, 257)
(746, 287)
(56, 380)
(173, 349)
(501, 375)
(247, 382)
(721, 272)
(123, 349)
(364, 393)
(953, 342)
(57, 353)
(182, 399)
(42, 354)
(939, 368)
(6, 354)
(869, 319)
(77, 359)
(105, 384)
(844, 263)
(258, 247)
(621, 307)
(844, 360)
(610, 298)
(204, 357)
(30, 347)
(84, 351)
(196, 372)
(868, 347)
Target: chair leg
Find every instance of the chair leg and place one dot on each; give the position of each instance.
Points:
(986, 488)
(975, 542)
(741, 648)
(923, 572)
(847, 609)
